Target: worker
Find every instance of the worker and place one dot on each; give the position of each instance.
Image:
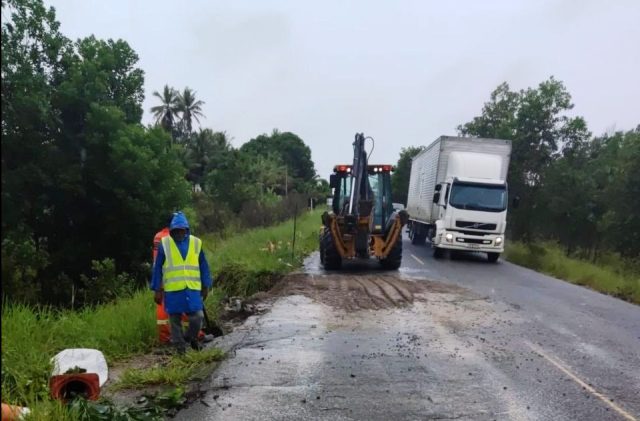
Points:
(157, 239)
(162, 318)
(181, 278)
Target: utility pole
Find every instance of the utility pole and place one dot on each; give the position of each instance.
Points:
(286, 181)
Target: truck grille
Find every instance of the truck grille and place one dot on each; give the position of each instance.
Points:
(475, 225)
(473, 240)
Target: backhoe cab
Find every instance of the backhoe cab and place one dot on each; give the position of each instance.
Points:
(362, 222)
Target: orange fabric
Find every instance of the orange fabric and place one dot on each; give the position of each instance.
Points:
(11, 412)
(158, 239)
(164, 328)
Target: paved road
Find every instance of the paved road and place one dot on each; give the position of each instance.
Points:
(503, 342)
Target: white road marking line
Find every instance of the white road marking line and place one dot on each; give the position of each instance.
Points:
(558, 364)
(417, 260)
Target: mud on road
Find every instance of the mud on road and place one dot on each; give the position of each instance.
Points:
(368, 344)
(367, 291)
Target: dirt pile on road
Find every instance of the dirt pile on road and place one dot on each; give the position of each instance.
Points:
(353, 292)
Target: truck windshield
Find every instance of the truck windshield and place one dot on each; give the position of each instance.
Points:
(480, 197)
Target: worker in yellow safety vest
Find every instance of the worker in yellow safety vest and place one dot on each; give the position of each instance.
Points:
(182, 279)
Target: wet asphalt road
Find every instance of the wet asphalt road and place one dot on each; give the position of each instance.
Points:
(510, 344)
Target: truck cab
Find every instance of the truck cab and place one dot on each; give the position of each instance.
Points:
(472, 215)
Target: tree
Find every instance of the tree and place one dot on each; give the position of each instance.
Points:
(617, 176)
(244, 177)
(83, 180)
(535, 121)
(288, 148)
(206, 151)
(166, 113)
(35, 55)
(400, 178)
(190, 108)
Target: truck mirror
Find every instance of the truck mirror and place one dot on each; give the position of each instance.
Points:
(438, 187)
(515, 202)
(436, 197)
(334, 181)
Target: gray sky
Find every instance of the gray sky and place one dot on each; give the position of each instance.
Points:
(402, 72)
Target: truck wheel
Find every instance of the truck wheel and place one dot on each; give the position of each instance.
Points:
(394, 258)
(438, 253)
(493, 257)
(329, 256)
(417, 238)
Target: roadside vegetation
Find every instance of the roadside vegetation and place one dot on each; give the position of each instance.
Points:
(611, 275)
(242, 265)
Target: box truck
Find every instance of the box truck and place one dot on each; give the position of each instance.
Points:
(458, 195)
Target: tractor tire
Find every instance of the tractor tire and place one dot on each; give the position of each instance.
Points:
(493, 257)
(329, 256)
(394, 258)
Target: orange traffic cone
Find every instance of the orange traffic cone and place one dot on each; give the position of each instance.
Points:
(12, 412)
(65, 386)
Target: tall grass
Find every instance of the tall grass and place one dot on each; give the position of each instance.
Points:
(32, 336)
(613, 277)
(267, 248)
(251, 262)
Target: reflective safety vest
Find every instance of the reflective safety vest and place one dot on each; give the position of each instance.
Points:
(177, 273)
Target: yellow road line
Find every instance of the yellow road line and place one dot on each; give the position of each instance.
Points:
(559, 365)
(417, 260)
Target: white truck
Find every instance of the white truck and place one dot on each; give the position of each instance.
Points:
(458, 195)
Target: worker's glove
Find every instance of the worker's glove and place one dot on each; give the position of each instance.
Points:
(157, 297)
(204, 292)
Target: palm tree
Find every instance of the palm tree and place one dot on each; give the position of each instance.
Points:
(190, 108)
(167, 112)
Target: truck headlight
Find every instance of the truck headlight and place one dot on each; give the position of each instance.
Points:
(498, 241)
(449, 237)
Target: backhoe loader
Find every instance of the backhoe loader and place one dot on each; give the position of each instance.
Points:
(361, 223)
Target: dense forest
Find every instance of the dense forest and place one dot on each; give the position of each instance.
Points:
(85, 184)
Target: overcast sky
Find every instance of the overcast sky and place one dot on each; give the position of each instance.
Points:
(403, 72)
